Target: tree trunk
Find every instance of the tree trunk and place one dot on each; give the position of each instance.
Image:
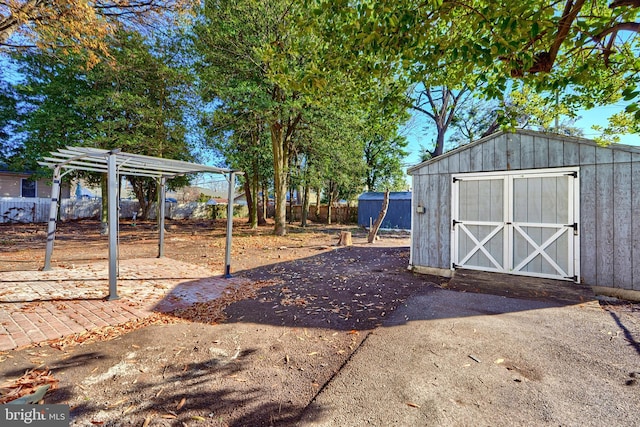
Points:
(290, 205)
(280, 164)
(262, 212)
(305, 207)
(329, 204)
(376, 225)
(318, 192)
(252, 202)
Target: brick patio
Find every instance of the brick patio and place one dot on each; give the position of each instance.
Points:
(36, 306)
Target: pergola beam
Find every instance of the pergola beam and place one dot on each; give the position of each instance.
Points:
(114, 163)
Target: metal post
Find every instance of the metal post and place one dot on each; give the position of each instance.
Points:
(53, 213)
(161, 203)
(112, 187)
(227, 256)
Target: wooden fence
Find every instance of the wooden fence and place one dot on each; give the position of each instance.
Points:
(339, 214)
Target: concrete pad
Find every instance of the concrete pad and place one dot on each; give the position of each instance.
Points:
(461, 359)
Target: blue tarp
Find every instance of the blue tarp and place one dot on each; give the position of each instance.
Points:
(398, 213)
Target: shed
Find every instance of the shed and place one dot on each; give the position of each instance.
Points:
(398, 212)
(534, 204)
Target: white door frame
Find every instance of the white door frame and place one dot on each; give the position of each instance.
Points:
(511, 228)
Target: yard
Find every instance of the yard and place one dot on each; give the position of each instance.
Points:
(327, 336)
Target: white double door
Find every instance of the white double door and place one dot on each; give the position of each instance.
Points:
(523, 222)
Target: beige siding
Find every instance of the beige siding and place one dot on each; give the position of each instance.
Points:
(11, 184)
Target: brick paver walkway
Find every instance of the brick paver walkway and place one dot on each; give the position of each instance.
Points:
(36, 306)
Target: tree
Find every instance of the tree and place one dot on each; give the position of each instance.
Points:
(475, 118)
(263, 61)
(129, 104)
(231, 39)
(440, 104)
(8, 115)
(243, 140)
(77, 25)
(526, 109)
(588, 47)
(383, 160)
(619, 124)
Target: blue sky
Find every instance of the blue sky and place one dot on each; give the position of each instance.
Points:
(597, 116)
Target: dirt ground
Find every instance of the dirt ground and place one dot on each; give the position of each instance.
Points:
(328, 338)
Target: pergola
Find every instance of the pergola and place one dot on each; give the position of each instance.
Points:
(115, 163)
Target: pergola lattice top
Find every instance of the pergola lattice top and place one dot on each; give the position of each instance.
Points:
(96, 160)
(114, 163)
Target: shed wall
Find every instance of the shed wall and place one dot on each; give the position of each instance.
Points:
(609, 195)
(398, 213)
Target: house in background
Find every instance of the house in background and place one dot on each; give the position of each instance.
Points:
(531, 203)
(398, 212)
(23, 199)
(21, 184)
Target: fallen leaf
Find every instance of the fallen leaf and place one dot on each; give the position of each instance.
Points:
(181, 404)
(168, 416)
(499, 361)
(198, 418)
(118, 403)
(413, 405)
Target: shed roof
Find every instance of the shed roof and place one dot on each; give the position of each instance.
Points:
(628, 148)
(393, 195)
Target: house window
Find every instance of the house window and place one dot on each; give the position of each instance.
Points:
(28, 188)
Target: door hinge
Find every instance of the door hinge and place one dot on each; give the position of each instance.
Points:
(573, 174)
(575, 228)
(454, 222)
(574, 278)
(454, 265)
(456, 179)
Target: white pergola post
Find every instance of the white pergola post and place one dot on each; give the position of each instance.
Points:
(112, 219)
(161, 202)
(227, 256)
(53, 213)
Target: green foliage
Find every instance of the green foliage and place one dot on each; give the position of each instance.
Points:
(530, 110)
(619, 124)
(130, 102)
(203, 198)
(8, 115)
(585, 51)
(278, 92)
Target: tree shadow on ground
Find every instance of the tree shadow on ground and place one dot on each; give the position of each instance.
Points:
(355, 288)
(215, 390)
